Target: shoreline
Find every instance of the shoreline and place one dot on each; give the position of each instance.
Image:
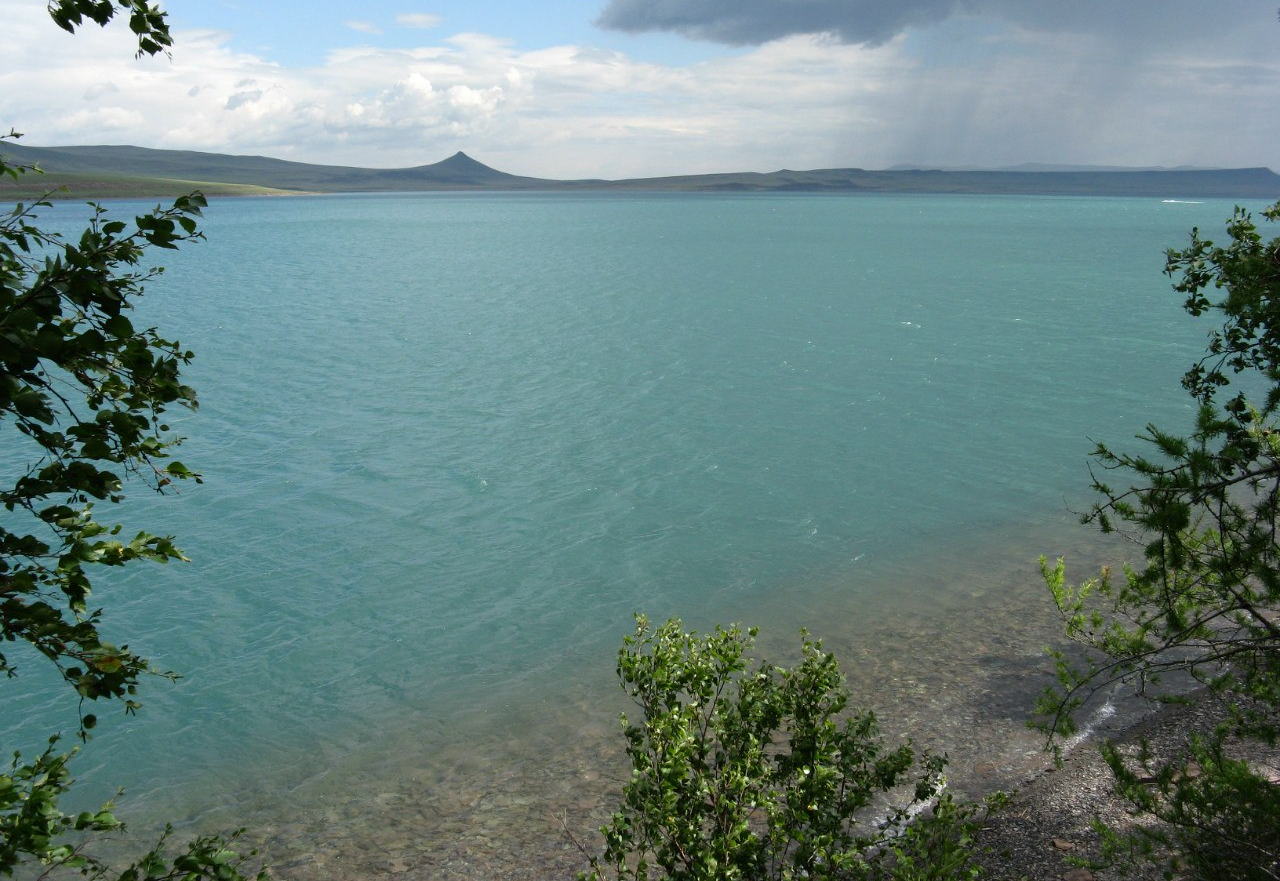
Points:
(491, 797)
(1046, 824)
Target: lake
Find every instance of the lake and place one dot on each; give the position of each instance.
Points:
(451, 443)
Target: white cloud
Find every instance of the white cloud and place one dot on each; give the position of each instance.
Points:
(240, 99)
(108, 120)
(418, 20)
(98, 91)
(364, 27)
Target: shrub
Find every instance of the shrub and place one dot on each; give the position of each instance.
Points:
(1205, 603)
(745, 770)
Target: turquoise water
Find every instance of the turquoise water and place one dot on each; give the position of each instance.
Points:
(452, 442)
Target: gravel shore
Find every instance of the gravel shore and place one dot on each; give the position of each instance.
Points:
(1046, 824)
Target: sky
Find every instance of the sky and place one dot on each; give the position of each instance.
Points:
(641, 88)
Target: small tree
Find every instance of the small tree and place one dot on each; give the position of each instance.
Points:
(83, 394)
(1205, 603)
(747, 770)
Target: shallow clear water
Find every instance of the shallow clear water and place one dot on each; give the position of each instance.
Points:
(452, 443)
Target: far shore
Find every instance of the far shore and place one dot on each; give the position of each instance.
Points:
(57, 188)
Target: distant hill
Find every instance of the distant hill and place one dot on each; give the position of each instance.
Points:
(1235, 183)
(457, 172)
(123, 170)
(1047, 166)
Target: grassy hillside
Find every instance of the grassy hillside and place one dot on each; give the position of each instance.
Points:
(56, 185)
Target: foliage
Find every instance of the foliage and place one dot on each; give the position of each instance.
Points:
(1205, 604)
(31, 822)
(1218, 816)
(83, 393)
(89, 391)
(145, 20)
(747, 770)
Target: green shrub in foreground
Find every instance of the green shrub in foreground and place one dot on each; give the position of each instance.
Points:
(742, 769)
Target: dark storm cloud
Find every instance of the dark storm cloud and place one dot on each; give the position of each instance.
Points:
(748, 22)
(871, 22)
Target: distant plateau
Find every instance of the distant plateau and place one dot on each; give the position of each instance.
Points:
(124, 171)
